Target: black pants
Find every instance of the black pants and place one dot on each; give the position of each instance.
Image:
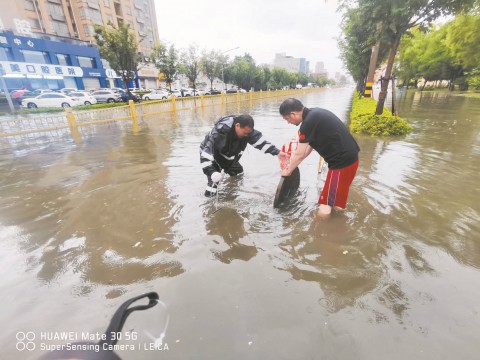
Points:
(232, 170)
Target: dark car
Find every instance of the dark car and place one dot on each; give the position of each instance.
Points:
(129, 96)
(212, 92)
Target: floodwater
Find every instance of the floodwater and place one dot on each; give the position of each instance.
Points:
(87, 224)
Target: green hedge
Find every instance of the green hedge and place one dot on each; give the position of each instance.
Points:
(364, 121)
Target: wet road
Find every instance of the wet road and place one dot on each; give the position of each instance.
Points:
(86, 225)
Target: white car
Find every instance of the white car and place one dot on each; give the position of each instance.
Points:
(84, 96)
(51, 100)
(67, 91)
(156, 95)
(186, 92)
(197, 92)
(175, 93)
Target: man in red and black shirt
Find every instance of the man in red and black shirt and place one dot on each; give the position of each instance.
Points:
(323, 131)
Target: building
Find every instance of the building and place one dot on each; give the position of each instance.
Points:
(291, 64)
(76, 19)
(37, 63)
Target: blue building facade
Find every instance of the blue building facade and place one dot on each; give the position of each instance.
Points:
(41, 63)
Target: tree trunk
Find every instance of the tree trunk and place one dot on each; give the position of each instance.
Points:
(388, 72)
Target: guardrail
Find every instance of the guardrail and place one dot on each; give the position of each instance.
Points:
(72, 120)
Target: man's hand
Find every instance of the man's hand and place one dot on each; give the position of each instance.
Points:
(286, 171)
(282, 157)
(217, 177)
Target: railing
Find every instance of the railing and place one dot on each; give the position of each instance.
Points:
(73, 120)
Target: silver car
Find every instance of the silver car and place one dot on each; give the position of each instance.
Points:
(84, 96)
(106, 96)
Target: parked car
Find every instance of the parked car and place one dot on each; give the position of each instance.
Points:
(175, 93)
(197, 92)
(212, 92)
(129, 96)
(67, 91)
(51, 100)
(106, 96)
(41, 91)
(235, 90)
(84, 96)
(186, 92)
(156, 95)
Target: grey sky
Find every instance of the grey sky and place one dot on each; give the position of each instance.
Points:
(302, 28)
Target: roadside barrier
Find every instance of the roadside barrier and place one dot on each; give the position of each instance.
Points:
(71, 120)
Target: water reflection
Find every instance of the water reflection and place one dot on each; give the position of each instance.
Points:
(325, 253)
(103, 212)
(229, 225)
(120, 213)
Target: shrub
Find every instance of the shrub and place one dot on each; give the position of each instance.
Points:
(364, 121)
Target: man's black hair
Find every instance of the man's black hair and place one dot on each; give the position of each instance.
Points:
(244, 121)
(290, 105)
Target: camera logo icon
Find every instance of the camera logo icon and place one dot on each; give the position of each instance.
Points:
(25, 341)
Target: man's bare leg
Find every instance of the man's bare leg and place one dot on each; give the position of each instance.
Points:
(324, 211)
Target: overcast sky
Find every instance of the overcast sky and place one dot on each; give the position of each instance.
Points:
(262, 28)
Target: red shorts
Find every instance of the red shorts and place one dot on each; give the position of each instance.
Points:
(337, 185)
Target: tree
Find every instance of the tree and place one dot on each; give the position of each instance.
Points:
(280, 78)
(119, 47)
(211, 64)
(190, 64)
(409, 54)
(166, 62)
(396, 17)
(243, 71)
(436, 62)
(359, 37)
(463, 39)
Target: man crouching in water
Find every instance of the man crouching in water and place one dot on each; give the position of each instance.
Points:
(223, 147)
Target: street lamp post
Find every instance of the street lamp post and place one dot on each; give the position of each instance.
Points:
(223, 81)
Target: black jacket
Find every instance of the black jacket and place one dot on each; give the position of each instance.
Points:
(223, 146)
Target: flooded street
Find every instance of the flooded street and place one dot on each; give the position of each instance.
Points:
(87, 224)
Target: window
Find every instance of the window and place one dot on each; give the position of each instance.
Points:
(28, 5)
(5, 54)
(93, 15)
(89, 30)
(64, 59)
(40, 57)
(60, 28)
(86, 62)
(56, 11)
(35, 24)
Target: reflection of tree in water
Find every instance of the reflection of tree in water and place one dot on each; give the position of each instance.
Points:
(228, 224)
(101, 210)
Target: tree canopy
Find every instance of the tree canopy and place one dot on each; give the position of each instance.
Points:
(391, 19)
(119, 47)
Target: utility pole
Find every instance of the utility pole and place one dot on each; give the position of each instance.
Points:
(223, 52)
(5, 90)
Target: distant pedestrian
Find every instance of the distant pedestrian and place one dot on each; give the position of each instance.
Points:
(323, 131)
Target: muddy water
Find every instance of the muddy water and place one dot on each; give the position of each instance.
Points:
(87, 224)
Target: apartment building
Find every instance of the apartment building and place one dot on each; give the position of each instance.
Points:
(291, 64)
(76, 19)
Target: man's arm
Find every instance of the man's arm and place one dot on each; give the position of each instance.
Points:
(259, 142)
(302, 151)
(207, 151)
